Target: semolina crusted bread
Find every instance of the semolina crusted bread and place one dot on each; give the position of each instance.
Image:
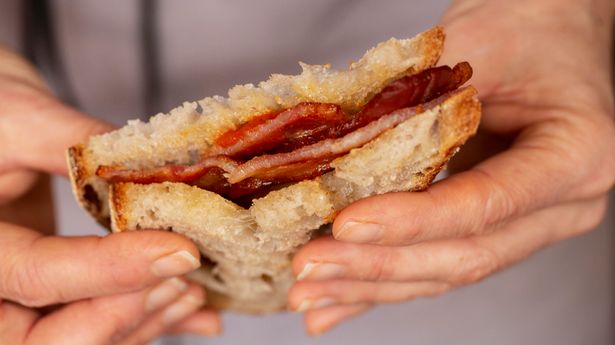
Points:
(247, 252)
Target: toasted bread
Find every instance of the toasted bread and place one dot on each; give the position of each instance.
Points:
(247, 252)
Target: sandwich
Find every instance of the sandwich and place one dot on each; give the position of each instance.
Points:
(253, 176)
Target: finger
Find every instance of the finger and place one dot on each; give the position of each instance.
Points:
(309, 295)
(323, 320)
(518, 239)
(159, 323)
(15, 322)
(38, 140)
(15, 69)
(110, 319)
(14, 184)
(38, 271)
(458, 261)
(205, 322)
(459, 206)
(327, 259)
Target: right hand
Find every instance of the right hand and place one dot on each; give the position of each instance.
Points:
(120, 289)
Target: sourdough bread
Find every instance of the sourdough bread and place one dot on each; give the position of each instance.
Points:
(247, 253)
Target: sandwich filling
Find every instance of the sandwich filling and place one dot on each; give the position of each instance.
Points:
(298, 143)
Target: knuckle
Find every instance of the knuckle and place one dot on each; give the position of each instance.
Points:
(474, 265)
(595, 165)
(123, 272)
(409, 233)
(22, 278)
(125, 277)
(593, 218)
(26, 286)
(115, 319)
(498, 202)
(382, 265)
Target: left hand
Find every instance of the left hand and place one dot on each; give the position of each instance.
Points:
(545, 86)
(78, 290)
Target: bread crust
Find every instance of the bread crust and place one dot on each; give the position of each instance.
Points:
(85, 193)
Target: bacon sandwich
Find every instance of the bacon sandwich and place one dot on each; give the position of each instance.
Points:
(252, 177)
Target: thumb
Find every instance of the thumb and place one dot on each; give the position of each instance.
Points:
(38, 128)
(38, 271)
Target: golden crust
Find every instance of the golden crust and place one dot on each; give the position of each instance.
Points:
(84, 192)
(458, 129)
(118, 200)
(432, 45)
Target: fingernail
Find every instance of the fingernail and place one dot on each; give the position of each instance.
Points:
(165, 293)
(360, 232)
(315, 304)
(321, 271)
(181, 309)
(175, 264)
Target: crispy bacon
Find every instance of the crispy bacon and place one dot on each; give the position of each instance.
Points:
(410, 91)
(214, 179)
(298, 143)
(298, 126)
(169, 172)
(324, 149)
(279, 176)
(308, 123)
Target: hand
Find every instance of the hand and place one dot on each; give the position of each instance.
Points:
(542, 69)
(120, 289)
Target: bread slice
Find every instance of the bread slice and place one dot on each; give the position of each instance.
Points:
(247, 252)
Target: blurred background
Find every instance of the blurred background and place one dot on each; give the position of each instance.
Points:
(119, 60)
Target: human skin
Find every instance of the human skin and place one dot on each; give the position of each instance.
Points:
(543, 72)
(521, 81)
(81, 290)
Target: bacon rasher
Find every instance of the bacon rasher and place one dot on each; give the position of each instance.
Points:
(299, 142)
